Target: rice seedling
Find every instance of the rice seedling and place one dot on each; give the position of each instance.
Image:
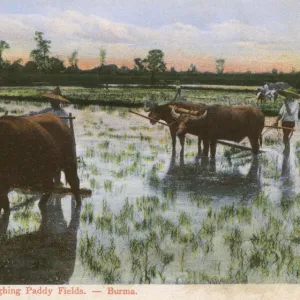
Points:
(271, 140)
(131, 148)
(286, 203)
(261, 202)
(93, 170)
(144, 268)
(88, 133)
(101, 261)
(87, 216)
(108, 185)
(103, 145)
(234, 241)
(200, 200)
(105, 220)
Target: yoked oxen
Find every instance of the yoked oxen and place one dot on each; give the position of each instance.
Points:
(164, 112)
(232, 123)
(63, 140)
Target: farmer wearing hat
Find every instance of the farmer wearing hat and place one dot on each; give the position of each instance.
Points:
(55, 99)
(288, 113)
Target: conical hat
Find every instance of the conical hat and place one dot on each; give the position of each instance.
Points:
(56, 94)
(289, 92)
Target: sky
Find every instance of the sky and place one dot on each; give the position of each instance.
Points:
(250, 35)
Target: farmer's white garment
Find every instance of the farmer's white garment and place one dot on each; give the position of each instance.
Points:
(294, 108)
(58, 112)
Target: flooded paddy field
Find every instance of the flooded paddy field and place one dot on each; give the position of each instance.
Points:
(154, 218)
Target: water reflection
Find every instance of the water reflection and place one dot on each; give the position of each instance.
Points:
(214, 177)
(46, 256)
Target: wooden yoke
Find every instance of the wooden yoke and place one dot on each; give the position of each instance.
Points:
(185, 111)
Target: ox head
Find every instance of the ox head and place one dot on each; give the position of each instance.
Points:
(154, 111)
(186, 121)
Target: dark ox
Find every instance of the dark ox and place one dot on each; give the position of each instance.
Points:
(63, 139)
(164, 112)
(29, 156)
(232, 123)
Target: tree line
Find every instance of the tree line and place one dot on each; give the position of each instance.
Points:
(41, 61)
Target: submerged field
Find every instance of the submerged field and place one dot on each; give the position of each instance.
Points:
(153, 218)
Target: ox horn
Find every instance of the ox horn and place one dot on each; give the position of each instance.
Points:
(202, 116)
(175, 115)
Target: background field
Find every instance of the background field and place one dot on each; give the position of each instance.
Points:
(134, 96)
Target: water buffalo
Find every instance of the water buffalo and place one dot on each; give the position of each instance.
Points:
(164, 112)
(63, 140)
(231, 123)
(28, 156)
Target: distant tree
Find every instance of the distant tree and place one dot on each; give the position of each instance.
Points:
(73, 59)
(173, 70)
(16, 65)
(30, 66)
(274, 71)
(124, 69)
(108, 69)
(139, 65)
(102, 54)
(56, 65)
(3, 46)
(192, 68)
(41, 55)
(155, 63)
(293, 71)
(220, 65)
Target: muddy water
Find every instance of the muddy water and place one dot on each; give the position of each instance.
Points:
(154, 218)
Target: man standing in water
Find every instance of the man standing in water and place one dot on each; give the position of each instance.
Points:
(288, 113)
(55, 99)
(179, 96)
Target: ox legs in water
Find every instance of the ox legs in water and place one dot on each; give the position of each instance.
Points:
(254, 141)
(213, 148)
(199, 146)
(73, 180)
(182, 140)
(205, 147)
(4, 202)
(173, 136)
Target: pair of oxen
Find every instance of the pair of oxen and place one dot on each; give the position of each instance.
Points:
(33, 151)
(210, 123)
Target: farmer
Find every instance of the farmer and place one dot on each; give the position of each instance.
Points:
(55, 99)
(178, 96)
(288, 113)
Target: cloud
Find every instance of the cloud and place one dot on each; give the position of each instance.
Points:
(182, 42)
